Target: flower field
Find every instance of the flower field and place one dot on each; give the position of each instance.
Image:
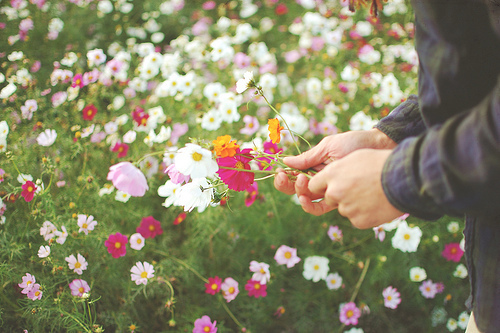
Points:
(138, 145)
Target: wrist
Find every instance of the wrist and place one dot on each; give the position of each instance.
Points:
(381, 140)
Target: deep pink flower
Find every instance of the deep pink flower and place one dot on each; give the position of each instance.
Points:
(204, 325)
(79, 287)
(252, 193)
(117, 245)
(269, 148)
(121, 149)
(234, 179)
(140, 117)
(29, 190)
(149, 227)
(127, 178)
(77, 81)
(2, 173)
(213, 285)
(89, 112)
(452, 252)
(349, 314)
(256, 289)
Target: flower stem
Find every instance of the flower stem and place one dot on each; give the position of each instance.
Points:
(147, 155)
(230, 314)
(184, 264)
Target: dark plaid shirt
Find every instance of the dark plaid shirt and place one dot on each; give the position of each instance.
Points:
(447, 161)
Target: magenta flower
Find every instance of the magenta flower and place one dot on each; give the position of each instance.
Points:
(28, 192)
(392, 297)
(349, 314)
(256, 289)
(149, 227)
(77, 81)
(204, 325)
(116, 244)
(2, 173)
(234, 179)
(128, 178)
(121, 149)
(252, 193)
(213, 286)
(269, 148)
(452, 252)
(79, 287)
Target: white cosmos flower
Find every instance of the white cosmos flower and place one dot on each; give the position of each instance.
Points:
(406, 238)
(141, 272)
(122, 196)
(137, 242)
(48, 230)
(195, 161)
(463, 320)
(260, 271)
(78, 264)
(196, 194)
(418, 274)
(169, 191)
(47, 137)
(211, 120)
(61, 235)
(246, 82)
(85, 223)
(333, 281)
(44, 251)
(460, 271)
(316, 268)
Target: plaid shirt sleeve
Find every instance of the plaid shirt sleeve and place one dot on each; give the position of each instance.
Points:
(453, 167)
(403, 122)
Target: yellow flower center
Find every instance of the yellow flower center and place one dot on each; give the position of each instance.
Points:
(144, 275)
(118, 245)
(214, 286)
(239, 165)
(316, 267)
(84, 226)
(197, 156)
(406, 236)
(37, 293)
(81, 290)
(288, 255)
(30, 188)
(333, 281)
(78, 265)
(151, 228)
(28, 283)
(453, 250)
(349, 314)
(139, 241)
(206, 329)
(231, 290)
(389, 298)
(256, 286)
(89, 112)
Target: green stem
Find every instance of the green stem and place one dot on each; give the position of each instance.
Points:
(184, 264)
(147, 155)
(85, 328)
(230, 314)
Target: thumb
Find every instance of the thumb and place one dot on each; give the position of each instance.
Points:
(308, 159)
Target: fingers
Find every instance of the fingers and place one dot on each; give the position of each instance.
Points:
(315, 208)
(283, 184)
(308, 159)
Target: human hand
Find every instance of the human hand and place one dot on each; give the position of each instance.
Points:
(331, 148)
(353, 185)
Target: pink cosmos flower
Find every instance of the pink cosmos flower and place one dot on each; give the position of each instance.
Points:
(29, 190)
(175, 176)
(213, 286)
(178, 130)
(2, 173)
(349, 314)
(286, 255)
(149, 227)
(79, 287)
(229, 289)
(252, 193)
(241, 60)
(452, 252)
(335, 233)
(234, 179)
(89, 112)
(121, 149)
(204, 325)
(428, 289)
(251, 125)
(35, 292)
(116, 244)
(77, 81)
(208, 5)
(392, 297)
(256, 289)
(28, 283)
(128, 178)
(269, 148)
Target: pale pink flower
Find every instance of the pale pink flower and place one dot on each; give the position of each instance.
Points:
(85, 223)
(335, 233)
(229, 289)
(286, 255)
(48, 230)
(79, 287)
(261, 271)
(78, 265)
(392, 297)
(137, 241)
(28, 283)
(428, 289)
(44, 251)
(349, 314)
(141, 272)
(61, 235)
(35, 292)
(128, 178)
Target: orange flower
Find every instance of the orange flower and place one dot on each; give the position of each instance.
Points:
(224, 147)
(274, 130)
